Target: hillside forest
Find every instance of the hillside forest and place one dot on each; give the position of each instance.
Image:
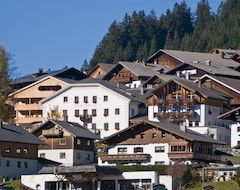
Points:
(138, 36)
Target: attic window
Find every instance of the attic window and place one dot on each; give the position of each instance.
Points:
(62, 141)
(49, 88)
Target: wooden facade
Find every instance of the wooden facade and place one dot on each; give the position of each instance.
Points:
(180, 148)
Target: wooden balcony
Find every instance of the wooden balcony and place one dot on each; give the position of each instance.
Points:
(193, 156)
(161, 103)
(125, 157)
(174, 101)
(86, 118)
(188, 102)
(23, 120)
(25, 107)
(52, 133)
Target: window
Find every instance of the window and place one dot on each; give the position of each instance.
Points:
(65, 99)
(62, 141)
(25, 164)
(94, 112)
(78, 155)
(117, 126)
(76, 99)
(8, 163)
(238, 129)
(106, 126)
(122, 150)
(25, 150)
(85, 99)
(87, 156)
(76, 113)
(94, 126)
(49, 88)
(18, 150)
(19, 164)
(94, 99)
(142, 135)
(117, 111)
(138, 150)
(88, 142)
(159, 163)
(42, 155)
(64, 113)
(7, 150)
(62, 155)
(78, 141)
(163, 134)
(105, 98)
(154, 135)
(105, 112)
(159, 149)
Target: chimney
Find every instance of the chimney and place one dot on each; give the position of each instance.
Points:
(187, 75)
(199, 83)
(182, 127)
(1, 124)
(178, 73)
(141, 89)
(208, 62)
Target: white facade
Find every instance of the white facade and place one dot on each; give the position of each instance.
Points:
(112, 110)
(70, 157)
(156, 158)
(139, 179)
(235, 134)
(206, 121)
(15, 167)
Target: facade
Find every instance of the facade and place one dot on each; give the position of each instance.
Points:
(66, 142)
(148, 180)
(19, 150)
(28, 110)
(100, 70)
(132, 74)
(151, 143)
(182, 101)
(98, 105)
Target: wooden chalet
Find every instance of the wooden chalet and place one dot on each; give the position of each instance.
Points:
(126, 72)
(100, 70)
(194, 64)
(179, 99)
(182, 144)
(66, 142)
(229, 86)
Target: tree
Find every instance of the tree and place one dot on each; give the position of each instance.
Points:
(177, 171)
(54, 113)
(5, 72)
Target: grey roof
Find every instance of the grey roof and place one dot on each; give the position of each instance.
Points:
(217, 66)
(172, 128)
(17, 134)
(81, 170)
(116, 87)
(33, 77)
(74, 128)
(196, 88)
(233, 84)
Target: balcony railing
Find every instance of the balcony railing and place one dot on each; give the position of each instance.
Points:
(86, 118)
(125, 157)
(193, 156)
(52, 133)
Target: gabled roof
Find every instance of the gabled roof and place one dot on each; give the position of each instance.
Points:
(230, 83)
(231, 114)
(30, 78)
(17, 134)
(195, 88)
(194, 57)
(35, 83)
(106, 66)
(117, 88)
(75, 129)
(171, 128)
(138, 68)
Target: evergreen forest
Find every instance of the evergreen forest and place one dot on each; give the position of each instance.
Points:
(138, 36)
